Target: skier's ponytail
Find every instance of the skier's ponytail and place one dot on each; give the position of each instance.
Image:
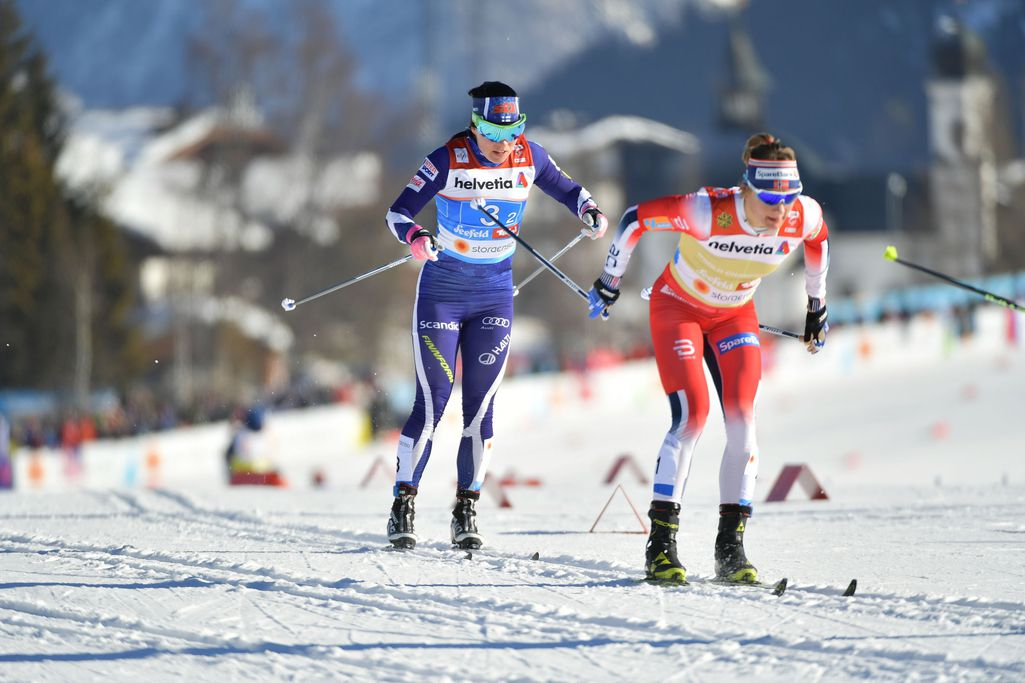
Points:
(766, 146)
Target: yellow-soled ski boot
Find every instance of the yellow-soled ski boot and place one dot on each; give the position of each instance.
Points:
(731, 564)
(661, 563)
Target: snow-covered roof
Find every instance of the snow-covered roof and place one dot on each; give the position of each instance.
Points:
(610, 130)
(254, 322)
(132, 160)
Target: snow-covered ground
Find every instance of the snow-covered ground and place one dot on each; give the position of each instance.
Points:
(915, 441)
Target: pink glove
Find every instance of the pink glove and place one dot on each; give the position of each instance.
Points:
(422, 244)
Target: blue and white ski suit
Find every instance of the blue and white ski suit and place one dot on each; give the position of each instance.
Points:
(464, 300)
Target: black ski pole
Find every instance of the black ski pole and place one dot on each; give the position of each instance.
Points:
(541, 268)
(890, 254)
(480, 205)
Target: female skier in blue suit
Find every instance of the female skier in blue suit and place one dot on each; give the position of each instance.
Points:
(464, 295)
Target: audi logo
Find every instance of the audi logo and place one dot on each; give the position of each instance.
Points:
(496, 322)
(487, 359)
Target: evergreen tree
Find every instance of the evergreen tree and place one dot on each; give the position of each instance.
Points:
(50, 245)
(32, 219)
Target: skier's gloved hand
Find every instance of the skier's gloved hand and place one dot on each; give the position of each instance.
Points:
(422, 244)
(594, 219)
(815, 325)
(602, 295)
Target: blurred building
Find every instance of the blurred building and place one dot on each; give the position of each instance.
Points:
(196, 189)
(924, 158)
(971, 140)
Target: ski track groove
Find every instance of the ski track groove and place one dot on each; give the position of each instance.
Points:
(801, 649)
(550, 631)
(914, 609)
(288, 629)
(359, 541)
(602, 570)
(382, 598)
(96, 626)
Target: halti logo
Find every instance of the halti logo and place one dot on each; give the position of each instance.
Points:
(490, 357)
(521, 181)
(475, 184)
(784, 248)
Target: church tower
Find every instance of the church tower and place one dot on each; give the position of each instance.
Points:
(742, 98)
(962, 100)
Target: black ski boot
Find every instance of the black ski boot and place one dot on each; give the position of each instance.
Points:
(400, 523)
(464, 520)
(660, 560)
(731, 564)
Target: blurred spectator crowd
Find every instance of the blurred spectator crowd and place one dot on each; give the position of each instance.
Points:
(387, 402)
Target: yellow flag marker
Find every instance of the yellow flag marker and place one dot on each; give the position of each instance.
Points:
(891, 253)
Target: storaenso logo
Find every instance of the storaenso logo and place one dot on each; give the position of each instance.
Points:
(730, 298)
(475, 184)
(495, 249)
(496, 322)
(734, 248)
(436, 325)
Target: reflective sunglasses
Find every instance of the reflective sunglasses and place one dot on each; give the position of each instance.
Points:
(496, 132)
(773, 198)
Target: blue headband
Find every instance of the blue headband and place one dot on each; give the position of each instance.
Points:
(500, 110)
(777, 177)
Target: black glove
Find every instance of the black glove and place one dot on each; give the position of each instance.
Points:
(815, 325)
(600, 298)
(595, 221)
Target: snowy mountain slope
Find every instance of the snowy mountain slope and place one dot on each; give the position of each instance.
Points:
(206, 583)
(661, 59)
(115, 54)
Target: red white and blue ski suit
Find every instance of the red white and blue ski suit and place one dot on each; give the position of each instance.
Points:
(701, 309)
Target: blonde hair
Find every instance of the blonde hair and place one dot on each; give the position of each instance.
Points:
(766, 146)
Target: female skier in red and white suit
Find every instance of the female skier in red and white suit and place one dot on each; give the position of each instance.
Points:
(701, 309)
